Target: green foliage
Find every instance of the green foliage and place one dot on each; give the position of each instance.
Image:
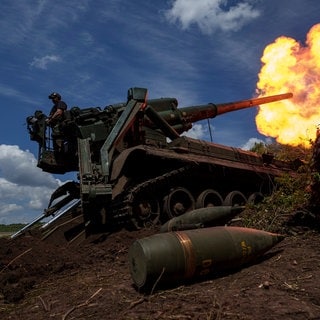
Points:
(284, 152)
(259, 148)
(289, 153)
(11, 227)
(291, 193)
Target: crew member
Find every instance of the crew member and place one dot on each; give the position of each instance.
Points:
(57, 110)
(55, 118)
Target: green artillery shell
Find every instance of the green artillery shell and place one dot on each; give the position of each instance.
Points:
(175, 256)
(203, 217)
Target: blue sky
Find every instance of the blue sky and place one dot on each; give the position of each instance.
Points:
(92, 51)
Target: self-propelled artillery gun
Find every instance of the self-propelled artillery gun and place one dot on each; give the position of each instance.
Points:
(136, 168)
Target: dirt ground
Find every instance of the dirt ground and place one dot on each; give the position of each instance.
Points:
(91, 280)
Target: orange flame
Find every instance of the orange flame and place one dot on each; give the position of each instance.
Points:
(291, 67)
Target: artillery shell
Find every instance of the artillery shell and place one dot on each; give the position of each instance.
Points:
(176, 256)
(203, 217)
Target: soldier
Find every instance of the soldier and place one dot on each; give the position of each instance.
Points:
(55, 118)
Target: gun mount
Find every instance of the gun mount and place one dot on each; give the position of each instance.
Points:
(136, 168)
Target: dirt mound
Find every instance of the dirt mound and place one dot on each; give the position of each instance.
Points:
(41, 280)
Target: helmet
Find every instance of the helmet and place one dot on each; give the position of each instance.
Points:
(54, 95)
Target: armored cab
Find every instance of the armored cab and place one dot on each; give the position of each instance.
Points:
(136, 168)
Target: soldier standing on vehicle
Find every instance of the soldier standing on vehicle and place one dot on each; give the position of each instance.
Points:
(55, 118)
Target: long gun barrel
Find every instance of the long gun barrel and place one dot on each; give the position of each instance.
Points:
(181, 119)
(196, 113)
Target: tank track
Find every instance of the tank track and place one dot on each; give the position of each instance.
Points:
(122, 208)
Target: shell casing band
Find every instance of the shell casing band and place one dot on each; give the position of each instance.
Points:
(189, 254)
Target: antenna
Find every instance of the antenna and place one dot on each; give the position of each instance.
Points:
(208, 120)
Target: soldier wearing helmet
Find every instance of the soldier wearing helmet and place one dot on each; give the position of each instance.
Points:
(57, 110)
(55, 118)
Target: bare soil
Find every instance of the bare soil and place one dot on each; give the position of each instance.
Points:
(91, 280)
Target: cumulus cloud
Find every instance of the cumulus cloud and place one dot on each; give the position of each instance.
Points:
(196, 132)
(212, 15)
(251, 142)
(42, 63)
(24, 188)
(18, 166)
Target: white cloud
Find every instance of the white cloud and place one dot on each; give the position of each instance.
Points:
(18, 166)
(20, 204)
(251, 142)
(24, 189)
(196, 132)
(9, 208)
(212, 15)
(42, 63)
